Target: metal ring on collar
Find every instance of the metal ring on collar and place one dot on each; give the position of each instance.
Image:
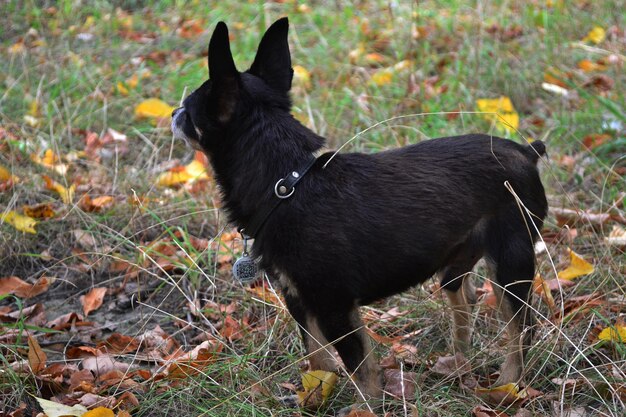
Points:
(282, 195)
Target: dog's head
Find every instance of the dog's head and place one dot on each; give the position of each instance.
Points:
(227, 100)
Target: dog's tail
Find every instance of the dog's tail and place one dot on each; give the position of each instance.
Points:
(536, 149)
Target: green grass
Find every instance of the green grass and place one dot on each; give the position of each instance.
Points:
(464, 45)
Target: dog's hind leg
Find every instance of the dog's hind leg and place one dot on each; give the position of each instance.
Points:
(344, 328)
(514, 266)
(457, 284)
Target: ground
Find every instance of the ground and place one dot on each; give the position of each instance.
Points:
(123, 207)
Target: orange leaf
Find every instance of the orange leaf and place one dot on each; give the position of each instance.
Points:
(99, 412)
(97, 204)
(36, 356)
(93, 299)
(39, 211)
(14, 285)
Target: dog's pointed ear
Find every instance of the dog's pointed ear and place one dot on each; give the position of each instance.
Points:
(273, 60)
(223, 74)
(221, 63)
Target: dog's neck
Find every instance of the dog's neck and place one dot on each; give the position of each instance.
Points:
(255, 157)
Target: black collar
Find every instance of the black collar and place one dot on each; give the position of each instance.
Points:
(283, 189)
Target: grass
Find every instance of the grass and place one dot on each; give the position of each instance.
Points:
(70, 62)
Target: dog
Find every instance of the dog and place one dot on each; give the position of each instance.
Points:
(341, 231)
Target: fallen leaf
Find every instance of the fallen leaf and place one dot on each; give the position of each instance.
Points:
(317, 385)
(501, 111)
(614, 334)
(50, 160)
(19, 221)
(355, 412)
(482, 411)
(194, 171)
(100, 412)
(578, 267)
(400, 384)
(52, 409)
(97, 204)
(154, 109)
(39, 211)
(617, 236)
(302, 77)
(67, 194)
(93, 299)
(22, 289)
(102, 363)
(589, 66)
(502, 395)
(452, 366)
(594, 140)
(36, 356)
(382, 77)
(595, 35)
(7, 180)
(85, 240)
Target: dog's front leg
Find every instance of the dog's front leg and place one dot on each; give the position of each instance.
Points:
(317, 347)
(344, 328)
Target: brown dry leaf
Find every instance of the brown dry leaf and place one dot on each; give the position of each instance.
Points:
(22, 289)
(400, 384)
(93, 299)
(36, 356)
(193, 362)
(103, 363)
(452, 366)
(360, 413)
(267, 295)
(119, 343)
(482, 411)
(383, 340)
(39, 211)
(594, 140)
(85, 239)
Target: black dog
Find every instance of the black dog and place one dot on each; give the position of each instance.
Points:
(363, 227)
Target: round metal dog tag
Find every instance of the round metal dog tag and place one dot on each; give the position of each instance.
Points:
(245, 269)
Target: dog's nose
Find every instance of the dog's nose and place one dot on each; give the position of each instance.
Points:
(176, 111)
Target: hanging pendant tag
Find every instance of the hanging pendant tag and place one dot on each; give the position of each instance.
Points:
(245, 269)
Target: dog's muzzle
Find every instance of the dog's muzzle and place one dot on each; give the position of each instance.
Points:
(177, 120)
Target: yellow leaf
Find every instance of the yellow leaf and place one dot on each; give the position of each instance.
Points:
(5, 175)
(67, 194)
(382, 77)
(194, 171)
(99, 412)
(302, 76)
(578, 267)
(501, 111)
(503, 394)
(121, 88)
(153, 108)
(317, 387)
(614, 334)
(595, 35)
(20, 222)
(52, 409)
